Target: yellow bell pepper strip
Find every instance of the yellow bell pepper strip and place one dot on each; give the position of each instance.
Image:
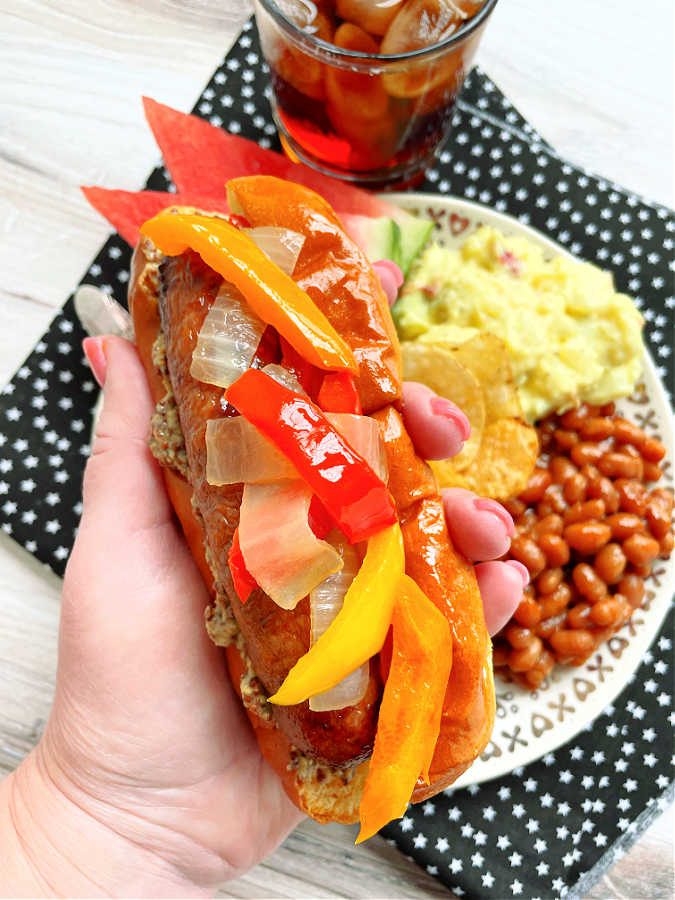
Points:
(410, 713)
(359, 629)
(269, 291)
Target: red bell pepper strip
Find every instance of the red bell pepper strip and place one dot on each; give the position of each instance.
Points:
(352, 493)
(244, 582)
(338, 393)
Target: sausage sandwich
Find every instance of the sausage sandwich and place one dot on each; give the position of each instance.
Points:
(354, 632)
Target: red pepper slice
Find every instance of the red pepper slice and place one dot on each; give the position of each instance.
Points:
(338, 393)
(244, 582)
(352, 493)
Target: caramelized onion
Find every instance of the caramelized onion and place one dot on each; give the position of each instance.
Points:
(227, 340)
(279, 548)
(282, 245)
(364, 435)
(325, 603)
(236, 452)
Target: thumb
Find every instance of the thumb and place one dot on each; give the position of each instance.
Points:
(123, 489)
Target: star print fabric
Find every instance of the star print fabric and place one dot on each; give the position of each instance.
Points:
(544, 831)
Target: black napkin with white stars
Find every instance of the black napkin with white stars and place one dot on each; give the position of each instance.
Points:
(549, 829)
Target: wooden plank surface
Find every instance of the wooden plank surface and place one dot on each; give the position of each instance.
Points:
(594, 79)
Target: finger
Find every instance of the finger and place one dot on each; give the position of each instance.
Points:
(501, 588)
(123, 488)
(391, 278)
(436, 426)
(481, 529)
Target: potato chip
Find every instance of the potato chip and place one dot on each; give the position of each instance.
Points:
(487, 358)
(505, 461)
(447, 475)
(436, 367)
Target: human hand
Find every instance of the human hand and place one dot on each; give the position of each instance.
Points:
(148, 759)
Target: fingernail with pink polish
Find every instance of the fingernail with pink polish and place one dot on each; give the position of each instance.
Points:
(441, 406)
(483, 504)
(93, 350)
(520, 568)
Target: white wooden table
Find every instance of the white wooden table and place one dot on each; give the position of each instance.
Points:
(593, 78)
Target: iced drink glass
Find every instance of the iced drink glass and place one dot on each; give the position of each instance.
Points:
(362, 90)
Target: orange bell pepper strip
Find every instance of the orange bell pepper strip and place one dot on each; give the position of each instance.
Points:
(270, 292)
(410, 713)
(359, 629)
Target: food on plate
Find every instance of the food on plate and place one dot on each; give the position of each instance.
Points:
(570, 336)
(501, 452)
(316, 526)
(589, 527)
(503, 465)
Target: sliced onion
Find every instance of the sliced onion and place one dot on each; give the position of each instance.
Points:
(363, 434)
(282, 245)
(279, 548)
(236, 452)
(325, 603)
(228, 339)
(283, 376)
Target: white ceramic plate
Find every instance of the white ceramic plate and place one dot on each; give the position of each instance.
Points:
(530, 724)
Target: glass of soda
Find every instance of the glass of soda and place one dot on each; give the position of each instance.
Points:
(364, 89)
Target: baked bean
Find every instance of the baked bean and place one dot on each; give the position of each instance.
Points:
(552, 524)
(640, 549)
(549, 580)
(621, 465)
(632, 496)
(524, 659)
(632, 587)
(586, 452)
(554, 495)
(608, 611)
(588, 583)
(601, 488)
(607, 409)
(534, 678)
(547, 626)
(517, 636)
(561, 469)
(641, 571)
(574, 488)
(658, 517)
(597, 429)
(525, 550)
(610, 563)
(651, 472)
(587, 537)
(514, 507)
(653, 450)
(590, 471)
(500, 654)
(666, 545)
(582, 512)
(539, 481)
(626, 432)
(565, 439)
(575, 418)
(556, 602)
(555, 549)
(629, 450)
(666, 497)
(574, 643)
(577, 617)
(623, 525)
(528, 613)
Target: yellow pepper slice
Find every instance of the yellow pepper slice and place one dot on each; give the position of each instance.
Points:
(359, 629)
(410, 713)
(269, 291)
